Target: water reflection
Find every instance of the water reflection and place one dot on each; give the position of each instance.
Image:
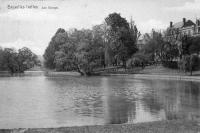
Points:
(41, 101)
(180, 100)
(119, 108)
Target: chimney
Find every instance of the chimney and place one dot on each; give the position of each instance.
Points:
(171, 23)
(184, 20)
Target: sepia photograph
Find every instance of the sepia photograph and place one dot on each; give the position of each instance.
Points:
(99, 66)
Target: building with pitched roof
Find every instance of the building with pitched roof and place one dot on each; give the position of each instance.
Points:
(185, 27)
(197, 29)
(142, 41)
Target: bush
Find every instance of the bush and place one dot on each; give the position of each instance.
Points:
(193, 63)
(190, 63)
(170, 64)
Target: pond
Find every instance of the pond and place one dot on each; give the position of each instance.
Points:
(44, 101)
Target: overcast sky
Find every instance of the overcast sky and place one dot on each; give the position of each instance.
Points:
(34, 28)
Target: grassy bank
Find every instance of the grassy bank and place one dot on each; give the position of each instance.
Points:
(166, 77)
(54, 73)
(151, 70)
(160, 70)
(151, 127)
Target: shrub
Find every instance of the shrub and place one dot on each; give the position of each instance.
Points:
(190, 63)
(170, 64)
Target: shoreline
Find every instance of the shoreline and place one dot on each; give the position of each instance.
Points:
(159, 76)
(131, 75)
(150, 127)
(166, 77)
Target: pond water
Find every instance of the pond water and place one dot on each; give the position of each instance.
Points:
(42, 101)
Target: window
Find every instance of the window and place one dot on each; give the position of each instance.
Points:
(189, 32)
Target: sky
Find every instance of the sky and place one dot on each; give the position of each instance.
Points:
(34, 27)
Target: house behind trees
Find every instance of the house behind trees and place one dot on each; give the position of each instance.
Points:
(185, 27)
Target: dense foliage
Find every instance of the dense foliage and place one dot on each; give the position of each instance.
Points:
(173, 52)
(17, 61)
(192, 45)
(78, 50)
(112, 42)
(121, 38)
(190, 60)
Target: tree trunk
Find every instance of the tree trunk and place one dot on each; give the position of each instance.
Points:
(83, 73)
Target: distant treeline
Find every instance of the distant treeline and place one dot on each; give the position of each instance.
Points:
(17, 61)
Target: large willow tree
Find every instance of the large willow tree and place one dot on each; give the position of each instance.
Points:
(77, 50)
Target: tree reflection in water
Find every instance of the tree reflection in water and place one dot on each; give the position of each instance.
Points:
(180, 100)
(119, 103)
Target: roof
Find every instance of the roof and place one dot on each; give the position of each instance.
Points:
(143, 39)
(178, 25)
(189, 23)
(181, 25)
